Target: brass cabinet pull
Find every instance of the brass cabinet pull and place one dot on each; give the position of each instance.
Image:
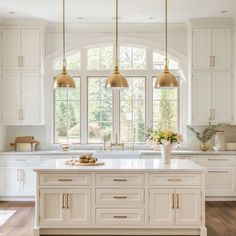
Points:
(120, 197)
(20, 159)
(63, 200)
(120, 217)
(177, 195)
(173, 201)
(210, 61)
(214, 61)
(19, 61)
(119, 180)
(67, 200)
(64, 180)
(22, 61)
(215, 159)
(218, 171)
(174, 180)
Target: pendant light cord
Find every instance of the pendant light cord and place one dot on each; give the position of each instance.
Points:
(64, 37)
(166, 38)
(117, 29)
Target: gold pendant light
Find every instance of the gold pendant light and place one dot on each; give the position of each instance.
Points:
(116, 80)
(64, 80)
(166, 79)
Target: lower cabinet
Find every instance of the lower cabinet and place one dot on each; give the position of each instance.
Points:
(17, 180)
(174, 207)
(69, 207)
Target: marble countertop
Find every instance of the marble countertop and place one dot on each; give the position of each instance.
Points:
(130, 165)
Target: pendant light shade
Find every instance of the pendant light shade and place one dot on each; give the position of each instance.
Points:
(116, 81)
(166, 79)
(64, 80)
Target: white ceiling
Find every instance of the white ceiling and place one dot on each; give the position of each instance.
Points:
(131, 11)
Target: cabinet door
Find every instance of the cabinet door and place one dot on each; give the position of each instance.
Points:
(161, 207)
(9, 181)
(31, 49)
(28, 180)
(11, 97)
(222, 97)
(31, 97)
(78, 206)
(220, 180)
(52, 207)
(222, 48)
(11, 49)
(202, 47)
(201, 97)
(188, 210)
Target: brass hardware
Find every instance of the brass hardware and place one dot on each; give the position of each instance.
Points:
(213, 114)
(17, 175)
(166, 79)
(173, 201)
(174, 180)
(215, 159)
(67, 200)
(20, 159)
(119, 180)
(214, 61)
(120, 217)
(64, 80)
(64, 180)
(120, 197)
(22, 61)
(21, 175)
(218, 171)
(210, 61)
(116, 80)
(19, 61)
(63, 200)
(116, 144)
(177, 195)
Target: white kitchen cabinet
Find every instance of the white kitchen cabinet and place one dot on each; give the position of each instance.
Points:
(27, 183)
(21, 49)
(175, 207)
(212, 48)
(52, 207)
(71, 207)
(161, 207)
(21, 98)
(201, 97)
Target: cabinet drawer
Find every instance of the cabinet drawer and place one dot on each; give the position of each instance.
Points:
(216, 159)
(120, 180)
(66, 179)
(183, 157)
(118, 197)
(120, 217)
(20, 159)
(174, 179)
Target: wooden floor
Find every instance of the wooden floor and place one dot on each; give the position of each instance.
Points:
(220, 218)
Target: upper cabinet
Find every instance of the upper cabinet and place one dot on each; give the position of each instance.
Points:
(22, 76)
(211, 72)
(21, 49)
(212, 49)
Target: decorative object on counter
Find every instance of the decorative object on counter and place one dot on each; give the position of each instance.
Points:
(116, 80)
(166, 79)
(84, 160)
(25, 144)
(64, 80)
(66, 147)
(231, 146)
(164, 139)
(205, 136)
(219, 141)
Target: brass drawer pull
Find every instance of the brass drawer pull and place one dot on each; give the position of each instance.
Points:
(173, 201)
(20, 159)
(67, 200)
(120, 180)
(218, 171)
(177, 195)
(215, 159)
(174, 180)
(120, 197)
(64, 180)
(120, 217)
(63, 200)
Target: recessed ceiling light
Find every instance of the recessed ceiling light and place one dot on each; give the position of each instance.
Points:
(80, 17)
(12, 12)
(224, 11)
(151, 18)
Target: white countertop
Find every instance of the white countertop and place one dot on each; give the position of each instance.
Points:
(130, 165)
(146, 152)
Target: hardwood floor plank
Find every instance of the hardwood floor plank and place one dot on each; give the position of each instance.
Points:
(220, 219)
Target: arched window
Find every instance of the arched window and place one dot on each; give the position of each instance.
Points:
(107, 114)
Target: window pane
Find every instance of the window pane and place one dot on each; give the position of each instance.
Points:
(94, 58)
(73, 62)
(159, 59)
(126, 59)
(132, 111)
(67, 114)
(106, 58)
(165, 108)
(99, 110)
(139, 58)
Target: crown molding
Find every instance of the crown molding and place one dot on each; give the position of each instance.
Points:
(211, 22)
(23, 23)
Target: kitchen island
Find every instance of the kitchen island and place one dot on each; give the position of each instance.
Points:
(122, 197)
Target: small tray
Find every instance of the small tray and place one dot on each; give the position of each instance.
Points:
(98, 163)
